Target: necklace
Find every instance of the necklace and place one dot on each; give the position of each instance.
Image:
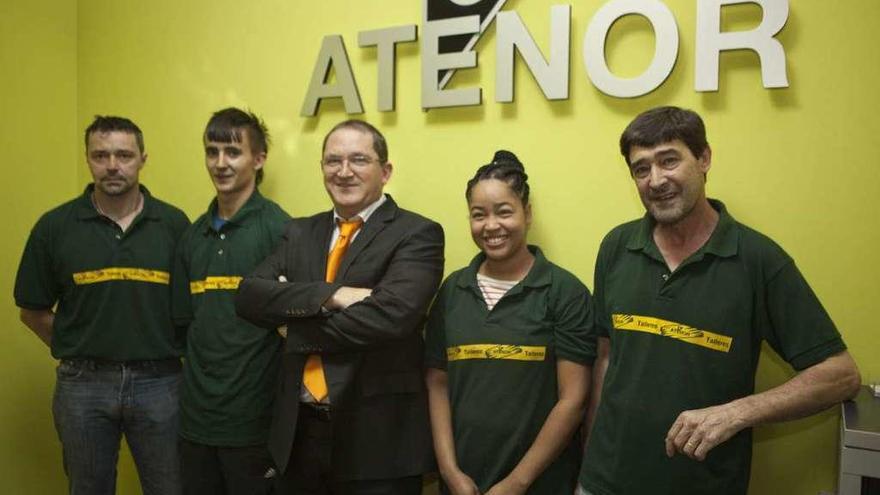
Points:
(117, 219)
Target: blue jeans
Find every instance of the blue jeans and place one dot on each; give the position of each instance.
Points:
(95, 403)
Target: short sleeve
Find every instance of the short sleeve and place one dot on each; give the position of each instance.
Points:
(181, 302)
(36, 287)
(572, 313)
(799, 328)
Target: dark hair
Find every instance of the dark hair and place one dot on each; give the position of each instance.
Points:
(225, 127)
(507, 168)
(380, 146)
(662, 125)
(109, 123)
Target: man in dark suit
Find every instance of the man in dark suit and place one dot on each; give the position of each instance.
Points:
(352, 287)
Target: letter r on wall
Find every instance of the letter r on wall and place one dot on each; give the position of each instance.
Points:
(711, 41)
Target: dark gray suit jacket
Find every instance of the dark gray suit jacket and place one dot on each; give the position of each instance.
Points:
(372, 351)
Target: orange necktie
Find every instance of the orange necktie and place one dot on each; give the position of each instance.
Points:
(313, 374)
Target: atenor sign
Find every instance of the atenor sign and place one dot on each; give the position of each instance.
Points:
(451, 28)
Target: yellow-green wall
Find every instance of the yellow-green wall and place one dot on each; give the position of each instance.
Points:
(798, 164)
(39, 139)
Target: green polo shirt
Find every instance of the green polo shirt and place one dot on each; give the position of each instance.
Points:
(501, 367)
(231, 366)
(690, 339)
(111, 287)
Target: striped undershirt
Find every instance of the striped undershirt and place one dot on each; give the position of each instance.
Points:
(493, 289)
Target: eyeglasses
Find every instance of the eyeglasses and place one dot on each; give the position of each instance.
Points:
(356, 160)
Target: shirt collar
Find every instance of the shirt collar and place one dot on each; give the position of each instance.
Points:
(723, 242)
(538, 276)
(365, 213)
(253, 204)
(86, 207)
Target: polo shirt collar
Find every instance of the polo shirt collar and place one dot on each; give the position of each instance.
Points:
(538, 276)
(722, 243)
(254, 203)
(86, 208)
(725, 239)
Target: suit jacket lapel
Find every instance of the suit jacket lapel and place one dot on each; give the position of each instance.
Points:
(378, 220)
(322, 231)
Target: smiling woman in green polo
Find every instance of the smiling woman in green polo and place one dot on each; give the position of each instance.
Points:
(508, 353)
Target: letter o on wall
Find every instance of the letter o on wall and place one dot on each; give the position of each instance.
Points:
(665, 52)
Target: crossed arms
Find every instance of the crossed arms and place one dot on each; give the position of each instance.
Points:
(358, 317)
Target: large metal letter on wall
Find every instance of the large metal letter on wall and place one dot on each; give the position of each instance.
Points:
(433, 62)
(385, 41)
(451, 30)
(551, 74)
(665, 51)
(333, 56)
(711, 41)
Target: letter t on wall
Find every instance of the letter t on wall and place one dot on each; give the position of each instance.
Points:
(385, 40)
(711, 41)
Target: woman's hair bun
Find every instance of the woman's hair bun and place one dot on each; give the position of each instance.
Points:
(504, 157)
(507, 168)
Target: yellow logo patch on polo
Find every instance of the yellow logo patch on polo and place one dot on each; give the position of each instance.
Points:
(214, 283)
(116, 273)
(673, 330)
(496, 351)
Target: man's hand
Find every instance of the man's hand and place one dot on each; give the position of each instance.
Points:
(507, 486)
(696, 432)
(814, 389)
(461, 484)
(346, 296)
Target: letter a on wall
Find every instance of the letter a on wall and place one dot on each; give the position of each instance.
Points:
(332, 56)
(438, 10)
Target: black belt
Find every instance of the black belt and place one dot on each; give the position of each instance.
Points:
(169, 365)
(315, 410)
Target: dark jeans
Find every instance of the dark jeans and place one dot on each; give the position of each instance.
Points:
(96, 403)
(308, 471)
(209, 470)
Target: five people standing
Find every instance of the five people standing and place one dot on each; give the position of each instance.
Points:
(306, 370)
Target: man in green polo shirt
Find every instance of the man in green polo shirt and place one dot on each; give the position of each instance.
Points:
(683, 299)
(93, 284)
(231, 366)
